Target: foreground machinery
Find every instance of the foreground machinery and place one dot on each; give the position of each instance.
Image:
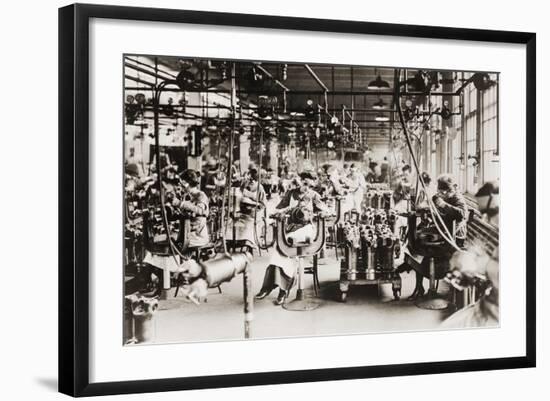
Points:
(370, 248)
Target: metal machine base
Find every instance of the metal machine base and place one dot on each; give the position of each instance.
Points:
(302, 303)
(432, 301)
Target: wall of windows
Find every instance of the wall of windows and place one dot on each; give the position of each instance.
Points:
(468, 148)
(490, 160)
(471, 136)
(467, 144)
(454, 138)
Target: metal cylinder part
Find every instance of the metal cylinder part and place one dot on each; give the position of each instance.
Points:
(225, 268)
(371, 274)
(143, 310)
(144, 328)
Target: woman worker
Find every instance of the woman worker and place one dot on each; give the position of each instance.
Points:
(453, 210)
(250, 204)
(195, 202)
(301, 202)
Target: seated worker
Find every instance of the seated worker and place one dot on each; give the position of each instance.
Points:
(485, 312)
(247, 206)
(236, 173)
(266, 181)
(195, 202)
(328, 184)
(171, 181)
(452, 207)
(219, 182)
(305, 201)
(401, 197)
(342, 180)
(406, 175)
(207, 178)
(453, 210)
(371, 177)
(424, 194)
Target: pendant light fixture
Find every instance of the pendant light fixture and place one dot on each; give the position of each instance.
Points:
(378, 83)
(379, 105)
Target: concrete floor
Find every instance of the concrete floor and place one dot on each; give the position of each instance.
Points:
(221, 318)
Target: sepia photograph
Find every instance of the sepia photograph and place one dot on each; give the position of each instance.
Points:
(277, 199)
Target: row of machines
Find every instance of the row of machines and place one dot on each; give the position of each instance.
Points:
(371, 246)
(199, 268)
(378, 196)
(369, 243)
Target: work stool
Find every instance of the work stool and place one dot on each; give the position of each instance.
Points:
(432, 300)
(202, 252)
(332, 241)
(240, 245)
(314, 271)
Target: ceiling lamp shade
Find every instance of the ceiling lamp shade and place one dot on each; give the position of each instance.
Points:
(185, 80)
(381, 118)
(378, 83)
(379, 105)
(482, 81)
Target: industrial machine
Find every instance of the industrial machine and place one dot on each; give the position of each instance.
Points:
(370, 249)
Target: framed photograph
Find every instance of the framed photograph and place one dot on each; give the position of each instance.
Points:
(253, 199)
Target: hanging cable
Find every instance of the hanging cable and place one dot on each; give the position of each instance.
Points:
(433, 210)
(436, 217)
(173, 249)
(258, 190)
(227, 193)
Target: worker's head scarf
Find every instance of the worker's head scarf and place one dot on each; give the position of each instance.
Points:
(191, 177)
(446, 183)
(307, 178)
(488, 198)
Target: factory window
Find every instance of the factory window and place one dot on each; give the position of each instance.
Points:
(471, 139)
(489, 135)
(455, 148)
(456, 152)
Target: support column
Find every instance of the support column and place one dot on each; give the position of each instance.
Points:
(273, 154)
(444, 154)
(244, 151)
(194, 162)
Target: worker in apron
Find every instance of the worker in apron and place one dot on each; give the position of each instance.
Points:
(250, 204)
(300, 202)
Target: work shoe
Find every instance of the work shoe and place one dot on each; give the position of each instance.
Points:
(262, 294)
(281, 297)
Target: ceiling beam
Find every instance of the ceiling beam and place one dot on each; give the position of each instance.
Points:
(316, 78)
(270, 75)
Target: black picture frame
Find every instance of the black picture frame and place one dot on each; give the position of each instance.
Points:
(74, 198)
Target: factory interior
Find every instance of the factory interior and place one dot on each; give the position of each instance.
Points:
(272, 199)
